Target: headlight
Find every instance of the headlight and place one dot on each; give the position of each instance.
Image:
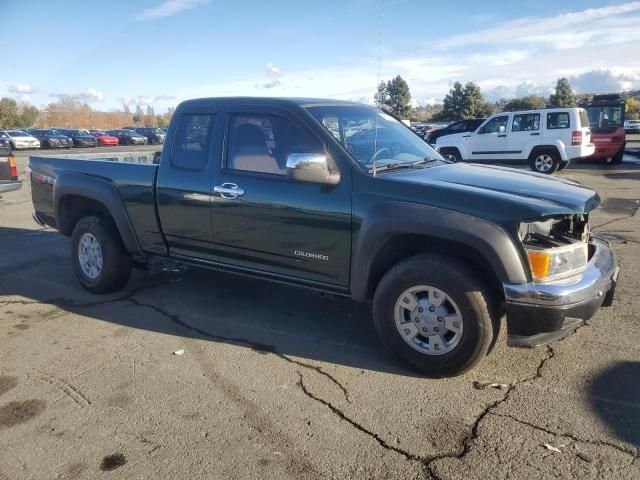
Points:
(552, 263)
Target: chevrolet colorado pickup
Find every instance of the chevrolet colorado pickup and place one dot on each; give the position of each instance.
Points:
(343, 198)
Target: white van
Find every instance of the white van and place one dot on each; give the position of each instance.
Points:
(548, 139)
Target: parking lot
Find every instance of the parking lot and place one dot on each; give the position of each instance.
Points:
(191, 373)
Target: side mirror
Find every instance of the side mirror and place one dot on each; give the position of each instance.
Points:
(502, 129)
(311, 167)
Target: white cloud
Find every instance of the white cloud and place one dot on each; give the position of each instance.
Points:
(20, 88)
(21, 92)
(90, 95)
(273, 71)
(169, 8)
(144, 100)
(604, 25)
(605, 80)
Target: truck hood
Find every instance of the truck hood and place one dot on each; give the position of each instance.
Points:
(489, 191)
(449, 137)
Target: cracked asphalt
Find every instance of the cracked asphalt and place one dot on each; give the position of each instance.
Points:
(277, 382)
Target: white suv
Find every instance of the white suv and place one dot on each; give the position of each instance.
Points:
(548, 139)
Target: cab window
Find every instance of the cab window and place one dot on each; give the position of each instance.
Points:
(192, 141)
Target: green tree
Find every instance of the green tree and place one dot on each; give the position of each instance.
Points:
(530, 102)
(8, 113)
(380, 97)
(632, 109)
(463, 102)
(27, 117)
(398, 97)
(564, 96)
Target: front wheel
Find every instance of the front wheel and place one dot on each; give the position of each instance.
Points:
(99, 259)
(546, 162)
(451, 154)
(434, 314)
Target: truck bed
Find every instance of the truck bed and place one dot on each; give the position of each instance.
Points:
(131, 174)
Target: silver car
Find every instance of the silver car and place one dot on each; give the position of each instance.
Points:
(19, 140)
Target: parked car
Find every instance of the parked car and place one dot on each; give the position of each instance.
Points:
(606, 118)
(632, 126)
(548, 139)
(155, 136)
(442, 249)
(128, 137)
(19, 139)
(104, 138)
(50, 138)
(456, 127)
(81, 138)
(8, 168)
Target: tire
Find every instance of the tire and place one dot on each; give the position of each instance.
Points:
(544, 161)
(46, 145)
(114, 267)
(452, 154)
(12, 146)
(464, 294)
(563, 164)
(617, 159)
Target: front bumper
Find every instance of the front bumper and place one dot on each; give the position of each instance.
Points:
(539, 313)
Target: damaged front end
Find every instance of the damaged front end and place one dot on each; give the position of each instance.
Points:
(572, 274)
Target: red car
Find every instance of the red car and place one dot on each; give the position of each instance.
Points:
(104, 139)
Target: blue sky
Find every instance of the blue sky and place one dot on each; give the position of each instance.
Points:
(158, 52)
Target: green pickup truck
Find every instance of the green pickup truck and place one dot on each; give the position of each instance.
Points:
(342, 198)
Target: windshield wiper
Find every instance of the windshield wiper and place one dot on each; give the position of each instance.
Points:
(398, 165)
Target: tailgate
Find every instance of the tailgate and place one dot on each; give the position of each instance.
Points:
(5, 168)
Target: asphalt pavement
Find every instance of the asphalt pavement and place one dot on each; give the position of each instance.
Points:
(197, 374)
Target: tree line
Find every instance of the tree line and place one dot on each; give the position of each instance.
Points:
(68, 112)
(466, 101)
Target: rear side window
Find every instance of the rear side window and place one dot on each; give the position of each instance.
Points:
(526, 122)
(557, 120)
(192, 141)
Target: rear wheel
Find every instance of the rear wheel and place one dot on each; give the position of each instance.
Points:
(544, 161)
(99, 259)
(452, 154)
(433, 313)
(617, 159)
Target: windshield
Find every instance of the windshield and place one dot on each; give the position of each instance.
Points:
(17, 133)
(355, 128)
(605, 116)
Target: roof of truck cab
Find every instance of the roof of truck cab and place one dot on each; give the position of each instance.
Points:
(285, 101)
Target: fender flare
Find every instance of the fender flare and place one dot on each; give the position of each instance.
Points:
(100, 190)
(397, 218)
(557, 145)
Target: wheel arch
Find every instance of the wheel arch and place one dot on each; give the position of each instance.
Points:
(536, 149)
(398, 231)
(76, 196)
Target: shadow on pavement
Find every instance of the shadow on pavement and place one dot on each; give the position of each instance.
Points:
(199, 303)
(614, 395)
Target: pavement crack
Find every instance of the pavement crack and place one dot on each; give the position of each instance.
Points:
(599, 443)
(340, 414)
(636, 207)
(259, 347)
(473, 433)
(318, 370)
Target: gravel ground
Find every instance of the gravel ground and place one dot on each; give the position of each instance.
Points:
(277, 382)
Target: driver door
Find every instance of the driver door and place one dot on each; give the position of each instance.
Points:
(272, 222)
(489, 142)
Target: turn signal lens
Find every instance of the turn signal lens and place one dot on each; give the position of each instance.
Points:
(539, 262)
(12, 166)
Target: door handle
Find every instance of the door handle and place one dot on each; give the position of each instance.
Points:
(228, 190)
(503, 135)
(534, 134)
